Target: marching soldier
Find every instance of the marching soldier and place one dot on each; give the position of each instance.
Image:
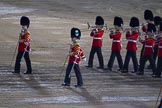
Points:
(116, 44)
(75, 55)
(157, 21)
(132, 37)
(24, 46)
(148, 49)
(159, 62)
(97, 35)
(148, 16)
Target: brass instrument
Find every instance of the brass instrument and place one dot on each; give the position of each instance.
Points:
(98, 26)
(127, 30)
(140, 39)
(94, 27)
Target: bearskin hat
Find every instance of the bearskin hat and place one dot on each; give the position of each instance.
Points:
(160, 26)
(99, 20)
(75, 32)
(25, 21)
(148, 15)
(151, 28)
(118, 21)
(134, 22)
(157, 20)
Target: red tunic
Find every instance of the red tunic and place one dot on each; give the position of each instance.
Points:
(76, 54)
(144, 29)
(149, 44)
(116, 45)
(132, 41)
(25, 39)
(97, 37)
(160, 48)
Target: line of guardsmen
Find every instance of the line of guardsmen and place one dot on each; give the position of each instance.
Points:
(152, 47)
(151, 38)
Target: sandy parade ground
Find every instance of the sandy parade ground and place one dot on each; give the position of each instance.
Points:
(51, 22)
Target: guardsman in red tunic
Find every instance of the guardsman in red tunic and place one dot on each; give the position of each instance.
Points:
(24, 46)
(159, 62)
(97, 35)
(148, 50)
(75, 55)
(116, 44)
(132, 37)
(157, 21)
(148, 16)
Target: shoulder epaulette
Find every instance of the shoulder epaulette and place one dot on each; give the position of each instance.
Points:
(28, 32)
(76, 44)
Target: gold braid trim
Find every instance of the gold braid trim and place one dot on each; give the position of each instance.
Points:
(27, 37)
(76, 49)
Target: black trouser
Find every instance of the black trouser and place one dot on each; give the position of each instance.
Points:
(134, 59)
(77, 73)
(155, 53)
(159, 66)
(99, 54)
(112, 58)
(27, 60)
(143, 62)
(141, 54)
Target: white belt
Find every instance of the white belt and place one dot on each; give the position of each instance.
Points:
(129, 40)
(96, 38)
(116, 40)
(160, 46)
(148, 46)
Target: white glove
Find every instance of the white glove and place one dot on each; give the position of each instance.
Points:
(26, 43)
(84, 59)
(30, 50)
(25, 50)
(76, 56)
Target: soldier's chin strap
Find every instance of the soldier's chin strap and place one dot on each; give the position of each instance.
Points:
(23, 31)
